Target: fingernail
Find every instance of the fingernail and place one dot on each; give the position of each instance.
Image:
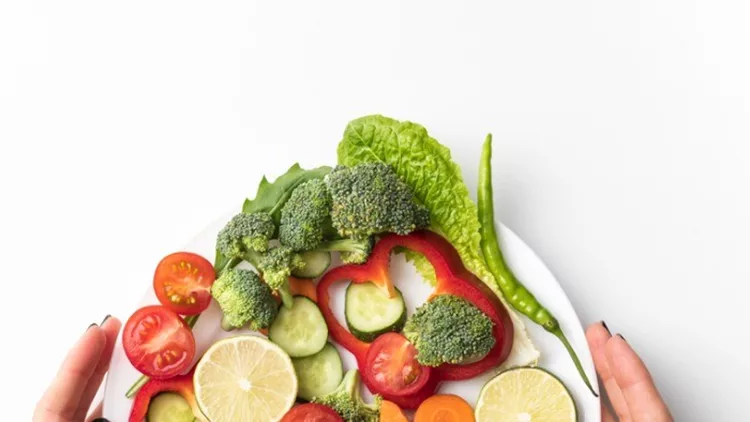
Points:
(105, 319)
(100, 420)
(623, 338)
(604, 324)
(92, 325)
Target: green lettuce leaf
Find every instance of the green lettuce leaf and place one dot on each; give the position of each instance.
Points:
(426, 165)
(422, 264)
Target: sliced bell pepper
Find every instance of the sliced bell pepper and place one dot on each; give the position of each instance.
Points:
(452, 278)
(181, 384)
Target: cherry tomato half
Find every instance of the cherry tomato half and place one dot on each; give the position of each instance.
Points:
(392, 367)
(158, 343)
(311, 412)
(182, 282)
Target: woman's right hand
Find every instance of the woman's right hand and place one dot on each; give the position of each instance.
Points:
(626, 379)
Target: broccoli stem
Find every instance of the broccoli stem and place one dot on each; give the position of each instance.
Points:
(225, 325)
(231, 263)
(286, 296)
(252, 257)
(190, 320)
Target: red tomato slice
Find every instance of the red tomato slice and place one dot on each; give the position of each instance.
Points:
(158, 343)
(312, 413)
(392, 368)
(182, 282)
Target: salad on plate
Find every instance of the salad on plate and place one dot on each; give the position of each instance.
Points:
(394, 190)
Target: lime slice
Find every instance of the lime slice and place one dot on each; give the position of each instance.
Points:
(245, 378)
(525, 395)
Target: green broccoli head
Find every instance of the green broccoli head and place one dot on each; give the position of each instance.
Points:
(277, 265)
(351, 251)
(347, 401)
(449, 329)
(245, 233)
(244, 299)
(305, 217)
(370, 199)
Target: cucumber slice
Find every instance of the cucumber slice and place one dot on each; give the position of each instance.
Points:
(319, 374)
(316, 263)
(370, 313)
(169, 407)
(300, 330)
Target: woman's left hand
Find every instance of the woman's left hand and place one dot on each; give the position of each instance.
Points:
(69, 397)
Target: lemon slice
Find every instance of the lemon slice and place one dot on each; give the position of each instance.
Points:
(245, 378)
(525, 395)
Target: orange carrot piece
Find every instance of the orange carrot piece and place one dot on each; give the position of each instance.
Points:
(303, 287)
(444, 408)
(390, 412)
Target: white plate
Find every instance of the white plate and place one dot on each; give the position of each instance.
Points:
(527, 266)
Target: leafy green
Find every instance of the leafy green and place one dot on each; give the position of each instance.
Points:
(425, 165)
(271, 196)
(422, 264)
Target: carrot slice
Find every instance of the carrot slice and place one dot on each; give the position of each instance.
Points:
(390, 412)
(444, 408)
(303, 287)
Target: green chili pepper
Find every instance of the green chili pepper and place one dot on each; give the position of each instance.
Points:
(513, 291)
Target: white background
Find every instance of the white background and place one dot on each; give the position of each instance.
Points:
(622, 145)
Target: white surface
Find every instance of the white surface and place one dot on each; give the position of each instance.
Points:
(622, 146)
(523, 261)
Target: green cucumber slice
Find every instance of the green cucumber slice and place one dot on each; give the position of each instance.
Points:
(370, 313)
(300, 330)
(316, 263)
(169, 407)
(319, 374)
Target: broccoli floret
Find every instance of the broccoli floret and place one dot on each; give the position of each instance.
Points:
(351, 251)
(244, 299)
(245, 233)
(306, 216)
(370, 199)
(347, 401)
(276, 266)
(449, 329)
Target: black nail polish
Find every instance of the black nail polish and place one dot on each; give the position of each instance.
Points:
(92, 325)
(604, 324)
(105, 319)
(623, 338)
(100, 420)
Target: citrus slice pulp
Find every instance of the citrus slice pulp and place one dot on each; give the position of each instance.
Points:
(245, 378)
(525, 395)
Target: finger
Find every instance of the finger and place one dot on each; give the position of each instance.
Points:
(110, 327)
(97, 413)
(607, 415)
(597, 336)
(635, 382)
(61, 399)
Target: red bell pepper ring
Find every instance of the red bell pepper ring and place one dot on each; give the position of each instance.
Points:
(181, 384)
(452, 278)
